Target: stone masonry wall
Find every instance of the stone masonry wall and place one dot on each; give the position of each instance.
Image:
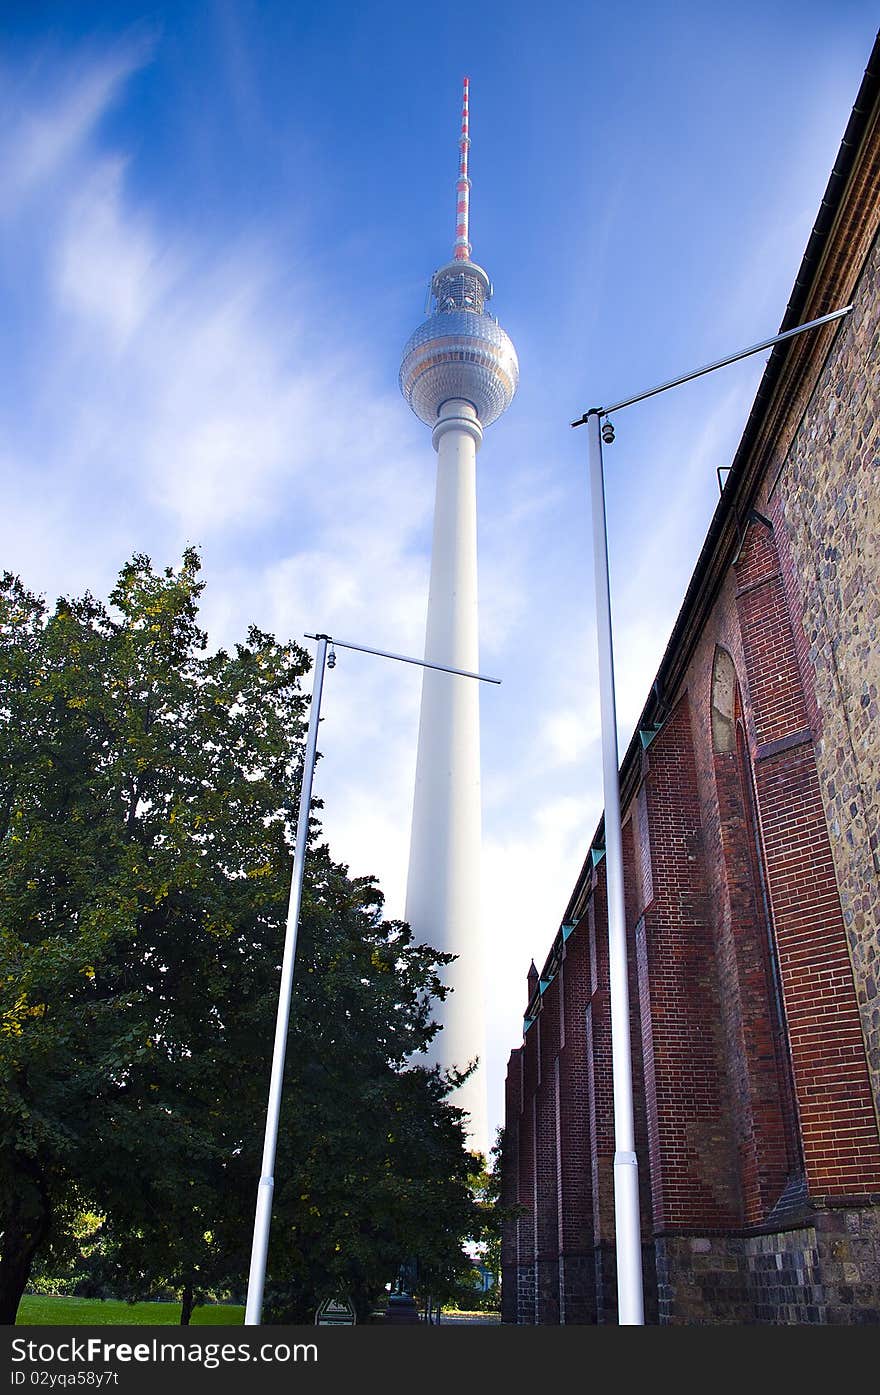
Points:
(828, 495)
(824, 1272)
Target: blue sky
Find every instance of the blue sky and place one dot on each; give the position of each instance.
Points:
(217, 223)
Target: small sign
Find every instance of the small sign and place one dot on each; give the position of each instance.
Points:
(336, 1312)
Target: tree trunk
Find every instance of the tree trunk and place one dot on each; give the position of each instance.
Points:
(25, 1224)
(186, 1305)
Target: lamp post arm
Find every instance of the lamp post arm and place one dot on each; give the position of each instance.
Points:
(710, 367)
(405, 659)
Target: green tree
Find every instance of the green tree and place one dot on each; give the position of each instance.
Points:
(487, 1194)
(372, 1165)
(147, 804)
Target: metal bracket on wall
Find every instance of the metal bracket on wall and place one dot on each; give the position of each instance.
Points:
(658, 692)
(753, 516)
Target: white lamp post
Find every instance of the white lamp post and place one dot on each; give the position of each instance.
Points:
(630, 1294)
(265, 1190)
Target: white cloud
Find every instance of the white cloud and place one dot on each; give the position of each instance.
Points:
(110, 268)
(567, 734)
(40, 135)
(190, 402)
(194, 414)
(528, 874)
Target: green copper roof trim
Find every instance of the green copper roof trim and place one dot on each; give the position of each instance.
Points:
(566, 931)
(646, 737)
(544, 985)
(527, 1022)
(597, 854)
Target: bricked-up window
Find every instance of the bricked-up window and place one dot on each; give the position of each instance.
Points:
(774, 980)
(723, 702)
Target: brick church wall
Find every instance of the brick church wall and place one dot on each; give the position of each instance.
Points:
(837, 1120)
(690, 1138)
(546, 1029)
(751, 844)
(577, 1279)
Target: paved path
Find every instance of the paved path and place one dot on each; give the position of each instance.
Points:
(471, 1319)
(402, 1309)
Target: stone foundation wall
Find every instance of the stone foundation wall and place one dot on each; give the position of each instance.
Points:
(525, 1295)
(848, 1245)
(823, 1272)
(577, 1290)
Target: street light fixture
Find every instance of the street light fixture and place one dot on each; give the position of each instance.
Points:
(266, 1188)
(630, 1294)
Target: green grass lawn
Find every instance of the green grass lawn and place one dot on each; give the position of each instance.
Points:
(37, 1311)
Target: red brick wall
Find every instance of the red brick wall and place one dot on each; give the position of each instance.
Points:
(601, 1099)
(693, 1172)
(526, 1223)
(633, 890)
(575, 1179)
(756, 1056)
(510, 1164)
(576, 1192)
(546, 1173)
(837, 1120)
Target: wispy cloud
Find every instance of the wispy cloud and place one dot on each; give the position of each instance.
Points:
(49, 114)
(110, 270)
(188, 400)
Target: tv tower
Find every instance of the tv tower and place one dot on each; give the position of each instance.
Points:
(459, 373)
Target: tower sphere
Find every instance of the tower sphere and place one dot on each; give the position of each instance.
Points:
(459, 351)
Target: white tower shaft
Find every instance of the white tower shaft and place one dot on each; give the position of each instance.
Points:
(443, 888)
(459, 373)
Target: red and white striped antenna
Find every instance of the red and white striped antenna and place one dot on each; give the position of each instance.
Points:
(462, 252)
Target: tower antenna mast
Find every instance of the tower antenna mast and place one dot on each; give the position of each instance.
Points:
(462, 252)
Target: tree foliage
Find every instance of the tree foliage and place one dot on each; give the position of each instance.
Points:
(148, 793)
